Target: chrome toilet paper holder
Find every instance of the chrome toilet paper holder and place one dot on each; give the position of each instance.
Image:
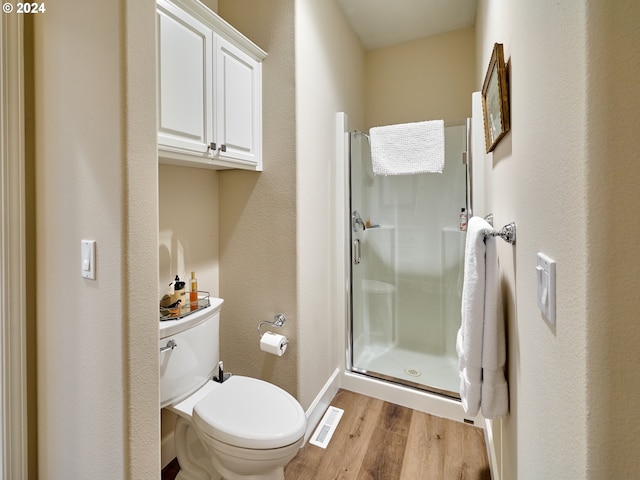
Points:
(278, 321)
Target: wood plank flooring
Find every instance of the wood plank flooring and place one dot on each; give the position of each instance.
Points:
(376, 440)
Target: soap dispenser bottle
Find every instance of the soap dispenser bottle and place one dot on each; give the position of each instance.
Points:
(180, 292)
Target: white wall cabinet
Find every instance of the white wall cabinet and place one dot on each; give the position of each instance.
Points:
(209, 90)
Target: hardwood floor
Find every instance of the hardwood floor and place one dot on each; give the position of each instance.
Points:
(382, 441)
(377, 440)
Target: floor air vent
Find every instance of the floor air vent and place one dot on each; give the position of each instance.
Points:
(327, 426)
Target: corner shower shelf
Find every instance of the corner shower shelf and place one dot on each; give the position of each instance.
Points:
(376, 286)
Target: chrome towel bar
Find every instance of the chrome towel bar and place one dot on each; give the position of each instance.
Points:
(507, 233)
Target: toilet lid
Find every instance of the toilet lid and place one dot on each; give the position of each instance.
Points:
(249, 413)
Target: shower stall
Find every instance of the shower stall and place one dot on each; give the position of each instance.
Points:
(406, 268)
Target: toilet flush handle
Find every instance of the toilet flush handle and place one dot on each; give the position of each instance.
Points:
(171, 344)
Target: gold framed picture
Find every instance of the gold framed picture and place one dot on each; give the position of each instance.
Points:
(495, 99)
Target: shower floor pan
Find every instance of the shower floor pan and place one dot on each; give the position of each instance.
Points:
(433, 373)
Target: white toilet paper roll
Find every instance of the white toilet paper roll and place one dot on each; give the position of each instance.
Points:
(273, 343)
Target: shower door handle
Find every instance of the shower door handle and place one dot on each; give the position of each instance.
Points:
(356, 251)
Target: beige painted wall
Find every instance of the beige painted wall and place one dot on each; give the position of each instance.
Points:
(565, 174)
(188, 223)
(142, 440)
(212, 4)
(96, 178)
(276, 226)
(535, 169)
(257, 210)
(430, 78)
(329, 79)
(613, 279)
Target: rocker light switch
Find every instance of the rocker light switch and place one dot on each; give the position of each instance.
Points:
(546, 294)
(88, 249)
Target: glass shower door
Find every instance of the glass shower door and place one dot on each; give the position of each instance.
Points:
(406, 269)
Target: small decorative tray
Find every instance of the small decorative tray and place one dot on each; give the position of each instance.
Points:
(181, 311)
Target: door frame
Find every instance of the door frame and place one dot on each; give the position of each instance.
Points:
(13, 365)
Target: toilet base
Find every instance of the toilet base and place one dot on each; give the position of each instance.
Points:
(193, 457)
(198, 463)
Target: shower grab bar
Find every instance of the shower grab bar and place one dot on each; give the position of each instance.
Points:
(507, 233)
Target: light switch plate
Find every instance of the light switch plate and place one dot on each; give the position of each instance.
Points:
(88, 259)
(546, 291)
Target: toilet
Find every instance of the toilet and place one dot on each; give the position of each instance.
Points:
(243, 428)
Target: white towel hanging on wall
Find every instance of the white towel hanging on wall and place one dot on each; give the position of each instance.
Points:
(481, 339)
(408, 148)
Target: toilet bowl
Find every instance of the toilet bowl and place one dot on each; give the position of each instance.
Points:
(244, 428)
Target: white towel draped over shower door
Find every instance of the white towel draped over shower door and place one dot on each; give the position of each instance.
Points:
(408, 148)
(481, 339)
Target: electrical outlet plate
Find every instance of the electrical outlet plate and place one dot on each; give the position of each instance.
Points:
(546, 291)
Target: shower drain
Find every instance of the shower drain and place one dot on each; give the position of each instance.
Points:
(413, 372)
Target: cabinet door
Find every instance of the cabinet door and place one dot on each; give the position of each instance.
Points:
(238, 104)
(185, 73)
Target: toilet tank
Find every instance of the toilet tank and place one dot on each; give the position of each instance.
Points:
(194, 359)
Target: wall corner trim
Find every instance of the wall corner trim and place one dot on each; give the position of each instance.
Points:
(13, 316)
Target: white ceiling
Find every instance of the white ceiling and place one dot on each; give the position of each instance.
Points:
(382, 23)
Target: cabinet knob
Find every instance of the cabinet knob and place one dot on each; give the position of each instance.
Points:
(223, 148)
(211, 147)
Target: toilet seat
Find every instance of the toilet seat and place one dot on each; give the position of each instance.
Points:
(251, 414)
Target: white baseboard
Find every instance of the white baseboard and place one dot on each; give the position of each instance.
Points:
(320, 404)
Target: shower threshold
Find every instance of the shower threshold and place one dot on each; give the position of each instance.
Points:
(406, 383)
(433, 373)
